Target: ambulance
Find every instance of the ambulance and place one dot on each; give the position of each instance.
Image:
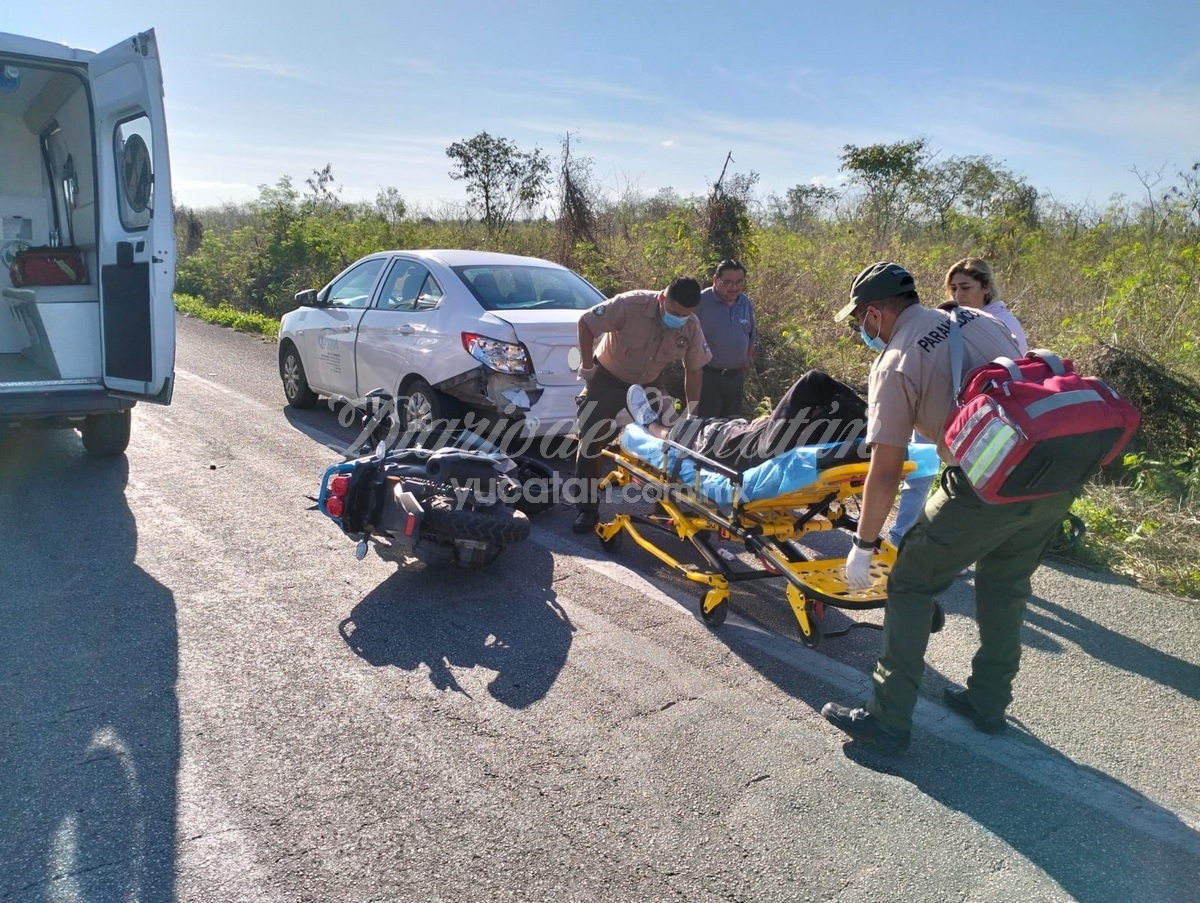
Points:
(87, 244)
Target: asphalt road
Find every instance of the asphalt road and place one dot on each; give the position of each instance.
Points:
(205, 697)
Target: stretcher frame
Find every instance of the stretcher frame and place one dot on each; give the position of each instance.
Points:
(769, 529)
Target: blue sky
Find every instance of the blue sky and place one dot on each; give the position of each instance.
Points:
(1069, 95)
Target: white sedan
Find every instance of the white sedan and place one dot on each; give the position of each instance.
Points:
(446, 333)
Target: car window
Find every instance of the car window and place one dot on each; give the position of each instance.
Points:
(559, 289)
(511, 287)
(402, 286)
(133, 142)
(430, 295)
(483, 285)
(353, 288)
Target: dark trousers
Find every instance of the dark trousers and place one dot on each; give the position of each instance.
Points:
(817, 409)
(598, 405)
(721, 393)
(956, 528)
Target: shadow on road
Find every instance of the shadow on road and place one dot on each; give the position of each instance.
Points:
(1105, 645)
(505, 618)
(336, 424)
(1097, 838)
(89, 717)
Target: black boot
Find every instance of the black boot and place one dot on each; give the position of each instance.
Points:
(957, 701)
(586, 520)
(865, 728)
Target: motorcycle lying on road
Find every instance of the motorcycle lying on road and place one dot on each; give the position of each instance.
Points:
(438, 495)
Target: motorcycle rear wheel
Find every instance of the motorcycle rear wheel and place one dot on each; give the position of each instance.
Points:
(496, 524)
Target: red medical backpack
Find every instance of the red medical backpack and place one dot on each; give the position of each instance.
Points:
(1031, 428)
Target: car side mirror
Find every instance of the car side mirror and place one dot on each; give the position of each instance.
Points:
(307, 298)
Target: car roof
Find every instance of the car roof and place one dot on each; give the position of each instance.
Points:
(453, 257)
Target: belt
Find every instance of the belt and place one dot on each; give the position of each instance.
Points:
(723, 371)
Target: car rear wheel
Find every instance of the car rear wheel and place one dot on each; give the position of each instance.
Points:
(106, 434)
(424, 406)
(295, 382)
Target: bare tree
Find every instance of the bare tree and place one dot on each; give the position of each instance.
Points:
(727, 216)
(577, 203)
(1150, 180)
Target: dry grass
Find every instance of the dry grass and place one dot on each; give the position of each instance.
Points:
(1154, 541)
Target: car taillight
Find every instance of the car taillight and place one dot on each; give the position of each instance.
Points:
(334, 506)
(503, 357)
(339, 485)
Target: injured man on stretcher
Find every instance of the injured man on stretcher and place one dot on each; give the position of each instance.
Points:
(816, 410)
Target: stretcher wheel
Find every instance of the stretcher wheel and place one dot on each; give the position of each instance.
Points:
(613, 544)
(814, 613)
(939, 618)
(716, 617)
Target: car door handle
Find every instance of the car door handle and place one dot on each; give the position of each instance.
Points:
(346, 328)
(405, 330)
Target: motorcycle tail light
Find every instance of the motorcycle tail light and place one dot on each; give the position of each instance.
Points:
(339, 485)
(334, 506)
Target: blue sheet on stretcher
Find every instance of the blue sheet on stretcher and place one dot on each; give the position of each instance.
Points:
(786, 473)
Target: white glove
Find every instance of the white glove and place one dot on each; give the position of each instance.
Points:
(586, 373)
(858, 568)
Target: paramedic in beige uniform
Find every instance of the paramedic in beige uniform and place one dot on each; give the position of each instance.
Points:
(626, 340)
(911, 386)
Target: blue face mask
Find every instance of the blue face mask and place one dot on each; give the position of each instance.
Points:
(673, 322)
(876, 344)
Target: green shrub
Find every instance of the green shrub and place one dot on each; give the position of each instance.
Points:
(227, 315)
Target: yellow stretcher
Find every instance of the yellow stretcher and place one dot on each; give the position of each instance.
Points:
(699, 500)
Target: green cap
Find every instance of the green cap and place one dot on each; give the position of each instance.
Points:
(878, 281)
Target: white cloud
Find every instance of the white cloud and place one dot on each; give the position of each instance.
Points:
(267, 67)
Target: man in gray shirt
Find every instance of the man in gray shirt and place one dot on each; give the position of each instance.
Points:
(727, 318)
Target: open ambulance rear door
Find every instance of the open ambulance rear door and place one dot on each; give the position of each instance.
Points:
(136, 221)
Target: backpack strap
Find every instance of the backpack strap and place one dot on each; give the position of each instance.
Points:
(1055, 362)
(1011, 366)
(956, 358)
(956, 353)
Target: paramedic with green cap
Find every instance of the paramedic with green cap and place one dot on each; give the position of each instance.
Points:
(911, 385)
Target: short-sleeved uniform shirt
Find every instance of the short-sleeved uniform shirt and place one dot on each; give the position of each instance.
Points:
(729, 329)
(911, 383)
(635, 345)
